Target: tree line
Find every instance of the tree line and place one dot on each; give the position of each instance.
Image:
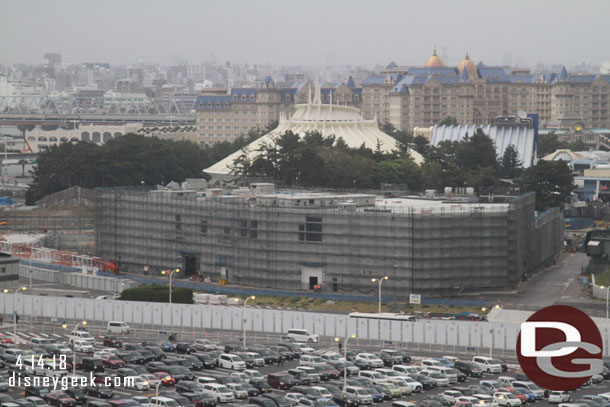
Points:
(308, 161)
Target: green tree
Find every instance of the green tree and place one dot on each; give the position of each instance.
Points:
(448, 121)
(477, 151)
(551, 180)
(124, 161)
(510, 164)
(548, 143)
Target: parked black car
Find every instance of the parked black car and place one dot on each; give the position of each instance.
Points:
(77, 394)
(185, 348)
(99, 391)
(468, 368)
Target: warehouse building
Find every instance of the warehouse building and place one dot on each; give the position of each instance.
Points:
(331, 242)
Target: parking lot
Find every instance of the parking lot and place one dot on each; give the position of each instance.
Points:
(18, 392)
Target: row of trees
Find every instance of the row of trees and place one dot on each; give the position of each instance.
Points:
(317, 161)
(311, 160)
(130, 160)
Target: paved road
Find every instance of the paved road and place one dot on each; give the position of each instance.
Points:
(558, 284)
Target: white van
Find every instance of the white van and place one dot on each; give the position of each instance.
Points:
(302, 335)
(81, 336)
(446, 371)
(220, 391)
(487, 364)
(118, 327)
(311, 360)
(530, 387)
(230, 361)
(164, 402)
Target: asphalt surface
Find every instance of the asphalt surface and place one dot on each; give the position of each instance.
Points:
(121, 393)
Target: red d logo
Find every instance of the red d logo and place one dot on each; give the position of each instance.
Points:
(560, 348)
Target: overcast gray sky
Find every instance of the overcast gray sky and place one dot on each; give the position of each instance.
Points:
(290, 32)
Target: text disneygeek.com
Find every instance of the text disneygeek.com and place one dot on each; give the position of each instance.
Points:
(67, 382)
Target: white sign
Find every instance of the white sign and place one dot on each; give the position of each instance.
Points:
(414, 298)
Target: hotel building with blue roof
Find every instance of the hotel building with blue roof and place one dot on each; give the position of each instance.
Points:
(226, 115)
(409, 97)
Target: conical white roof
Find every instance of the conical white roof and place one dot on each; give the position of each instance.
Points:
(340, 121)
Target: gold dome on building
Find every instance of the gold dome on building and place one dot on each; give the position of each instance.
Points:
(434, 61)
(469, 65)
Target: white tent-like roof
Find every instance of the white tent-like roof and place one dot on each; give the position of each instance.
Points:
(328, 119)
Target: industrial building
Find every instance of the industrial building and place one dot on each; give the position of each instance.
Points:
(332, 242)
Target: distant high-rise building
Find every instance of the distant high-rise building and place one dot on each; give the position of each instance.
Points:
(605, 68)
(51, 59)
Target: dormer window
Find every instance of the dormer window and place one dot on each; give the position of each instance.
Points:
(243, 97)
(252, 97)
(234, 97)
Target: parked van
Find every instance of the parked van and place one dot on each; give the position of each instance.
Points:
(118, 327)
(164, 402)
(301, 335)
(230, 361)
(281, 380)
(506, 381)
(311, 360)
(92, 365)
(446, 371)
(81, 336)
(487, 364)
(530, 388)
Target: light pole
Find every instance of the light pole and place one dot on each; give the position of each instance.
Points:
(243, 325)
(14, 310)
(607, 291)
(345, 357)
(170, 273)
(74, 348)
(491, 331)
(380, 280)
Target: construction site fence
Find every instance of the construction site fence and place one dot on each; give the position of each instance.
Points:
(186, 317)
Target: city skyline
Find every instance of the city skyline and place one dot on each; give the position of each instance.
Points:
(320, 33)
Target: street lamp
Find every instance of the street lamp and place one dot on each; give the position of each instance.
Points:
(345, 357)
(243, 325)
(607, 290)
(170, 273)
(380, 280)
(14, 310)
(74, 347)
(491, 331)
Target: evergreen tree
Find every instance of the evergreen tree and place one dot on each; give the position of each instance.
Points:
(511, 165)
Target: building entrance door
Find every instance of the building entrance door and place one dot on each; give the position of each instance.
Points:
(313, 282)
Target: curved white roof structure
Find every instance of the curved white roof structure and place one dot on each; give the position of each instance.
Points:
(328, 119)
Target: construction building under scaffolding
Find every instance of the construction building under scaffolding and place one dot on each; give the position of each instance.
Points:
(331, 242)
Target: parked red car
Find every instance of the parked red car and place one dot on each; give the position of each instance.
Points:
(60, 399)
(166, 379)
(113, 362)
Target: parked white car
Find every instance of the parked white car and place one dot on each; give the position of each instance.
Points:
(138, 383)
(302, 335)
(83, 346)
(230, 361)
(371, 358)
(205, 345)
(436, 377)
(452, 395)
(559, 397)
(238, 389)
(311, 360)
(220, 391)
(408, 369)
(506, 399)
(487, 364)
(306, 349)
(374, 377)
